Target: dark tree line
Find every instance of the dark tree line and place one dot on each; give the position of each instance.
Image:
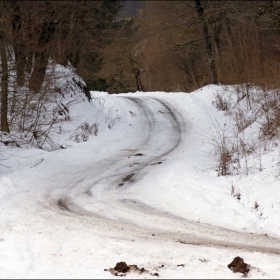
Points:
(169, 45)
(34, 32)
(56, 29)
(183, 45)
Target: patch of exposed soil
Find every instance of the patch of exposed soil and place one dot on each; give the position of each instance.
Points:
(62, 204)
(122, 268)
(159, 162)
(127, 178)
(238, 265)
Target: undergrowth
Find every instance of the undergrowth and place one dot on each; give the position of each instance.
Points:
(254, 130)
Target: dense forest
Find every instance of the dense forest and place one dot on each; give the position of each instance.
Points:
(169, 45)
(183, 45)
(35, 36)
(164, 46)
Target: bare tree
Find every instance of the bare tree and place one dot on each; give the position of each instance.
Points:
(4, 66)
(208, 43)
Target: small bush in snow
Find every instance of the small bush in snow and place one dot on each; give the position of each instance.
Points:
(83, 131)
(255, 112)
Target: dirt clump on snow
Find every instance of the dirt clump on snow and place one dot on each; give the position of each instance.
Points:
(238, 265)
(122, 268)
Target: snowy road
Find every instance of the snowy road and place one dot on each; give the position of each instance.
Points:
(137, 197)
(97, 196)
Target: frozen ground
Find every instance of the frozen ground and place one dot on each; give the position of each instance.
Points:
(145, 192)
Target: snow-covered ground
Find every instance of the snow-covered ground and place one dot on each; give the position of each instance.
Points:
(144, 191)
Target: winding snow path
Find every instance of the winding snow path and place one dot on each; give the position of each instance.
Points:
(73, 208)
(103, 185)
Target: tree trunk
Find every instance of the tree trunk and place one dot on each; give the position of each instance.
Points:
(77, 52)
(20, 58)
(4, 77)
(208, 44)
(41, 56)
(39, 71)
(139, 85)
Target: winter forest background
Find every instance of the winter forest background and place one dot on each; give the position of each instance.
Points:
(127, 46)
